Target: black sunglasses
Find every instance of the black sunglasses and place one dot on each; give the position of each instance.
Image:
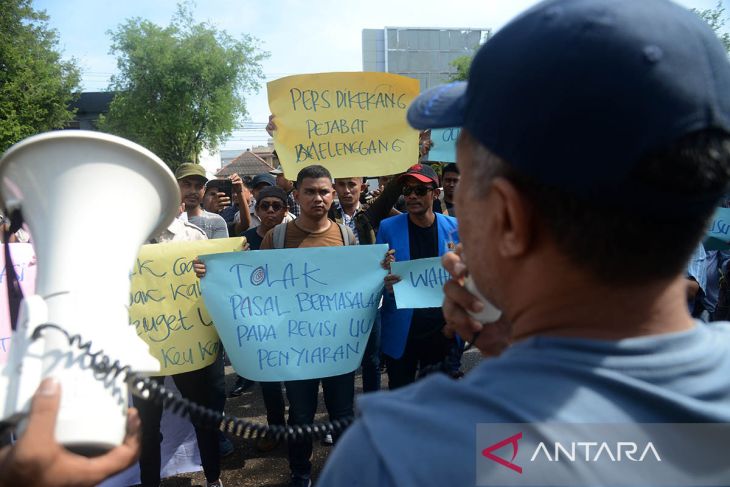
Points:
(420, 190)
(265, 205)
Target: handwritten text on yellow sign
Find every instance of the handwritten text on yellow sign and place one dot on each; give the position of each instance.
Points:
(354, 124)
(166, 307)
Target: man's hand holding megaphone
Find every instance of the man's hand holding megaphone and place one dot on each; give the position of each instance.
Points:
(38, 460)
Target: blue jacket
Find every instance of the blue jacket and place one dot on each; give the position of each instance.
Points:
(394, 232)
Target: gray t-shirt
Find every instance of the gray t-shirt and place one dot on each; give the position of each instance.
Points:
(213, 225)
(425, 434)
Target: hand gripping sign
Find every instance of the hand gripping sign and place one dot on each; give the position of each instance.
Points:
(292, 314)
(354, 124)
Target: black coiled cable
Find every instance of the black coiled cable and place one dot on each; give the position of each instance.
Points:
(150, 390)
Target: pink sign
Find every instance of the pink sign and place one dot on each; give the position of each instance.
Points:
(24, 262)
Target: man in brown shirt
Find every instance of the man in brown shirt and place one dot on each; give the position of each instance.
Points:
(312, 228)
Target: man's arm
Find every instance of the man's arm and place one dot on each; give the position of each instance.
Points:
(242, 197)
(383, 204)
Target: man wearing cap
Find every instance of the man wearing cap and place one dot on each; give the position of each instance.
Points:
(191, 178)
(412, 339)
(259, 182)
(595, 146)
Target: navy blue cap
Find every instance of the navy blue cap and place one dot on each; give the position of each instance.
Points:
(575, 92)
(263, 178)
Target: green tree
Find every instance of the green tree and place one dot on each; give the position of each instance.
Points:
(36, 86)
(180, 88)
(461, 64)
(716, 19)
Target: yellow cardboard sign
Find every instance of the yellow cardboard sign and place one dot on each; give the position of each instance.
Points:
(354, 124)
(166, 306)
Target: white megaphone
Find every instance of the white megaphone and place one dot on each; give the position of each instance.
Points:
(90, 200)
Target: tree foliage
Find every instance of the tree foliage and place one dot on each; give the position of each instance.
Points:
(462, 65)
(180, 88)
(716, 19)
(36, 86)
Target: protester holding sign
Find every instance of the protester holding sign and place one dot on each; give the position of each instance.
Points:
(312, 228)
(204, 386)
(412, 339)
(352, 123)
(588, 176)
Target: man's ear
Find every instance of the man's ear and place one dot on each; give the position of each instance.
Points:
(514, 231)
(364, 187)
(436, 193)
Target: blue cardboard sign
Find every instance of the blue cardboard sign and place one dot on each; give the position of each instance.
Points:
(718, 235)
(422, 283)
(292, 314)
(444, 145)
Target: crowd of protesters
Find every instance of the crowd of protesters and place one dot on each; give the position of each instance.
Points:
(595, 147)
(335, 212)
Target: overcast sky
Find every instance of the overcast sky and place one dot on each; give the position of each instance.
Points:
(307, 36)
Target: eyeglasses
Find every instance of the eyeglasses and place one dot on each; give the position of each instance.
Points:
(420, 190)
(265, 205)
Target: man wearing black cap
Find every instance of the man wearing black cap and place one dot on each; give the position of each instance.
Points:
(595, 145)
(412, 339)
(259, 182)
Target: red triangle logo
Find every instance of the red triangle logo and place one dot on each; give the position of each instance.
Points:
(512, 440)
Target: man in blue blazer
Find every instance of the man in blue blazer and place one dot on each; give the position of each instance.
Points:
(412, 338)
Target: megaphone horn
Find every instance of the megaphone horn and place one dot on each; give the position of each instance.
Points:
(90, 200)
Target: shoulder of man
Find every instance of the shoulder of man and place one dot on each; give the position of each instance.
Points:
(447, 219)
(193, 232)
(213, 216)
(387, 226)
(179, 230)
(250, 232)
(268, 242)
(276, 237)
(335, 213)
(393, 221)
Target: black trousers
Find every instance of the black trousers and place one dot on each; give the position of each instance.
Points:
(274, 402)
(206, 387)
(339, 395)
(420, 352)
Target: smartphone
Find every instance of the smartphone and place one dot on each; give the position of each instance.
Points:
(222, 185)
